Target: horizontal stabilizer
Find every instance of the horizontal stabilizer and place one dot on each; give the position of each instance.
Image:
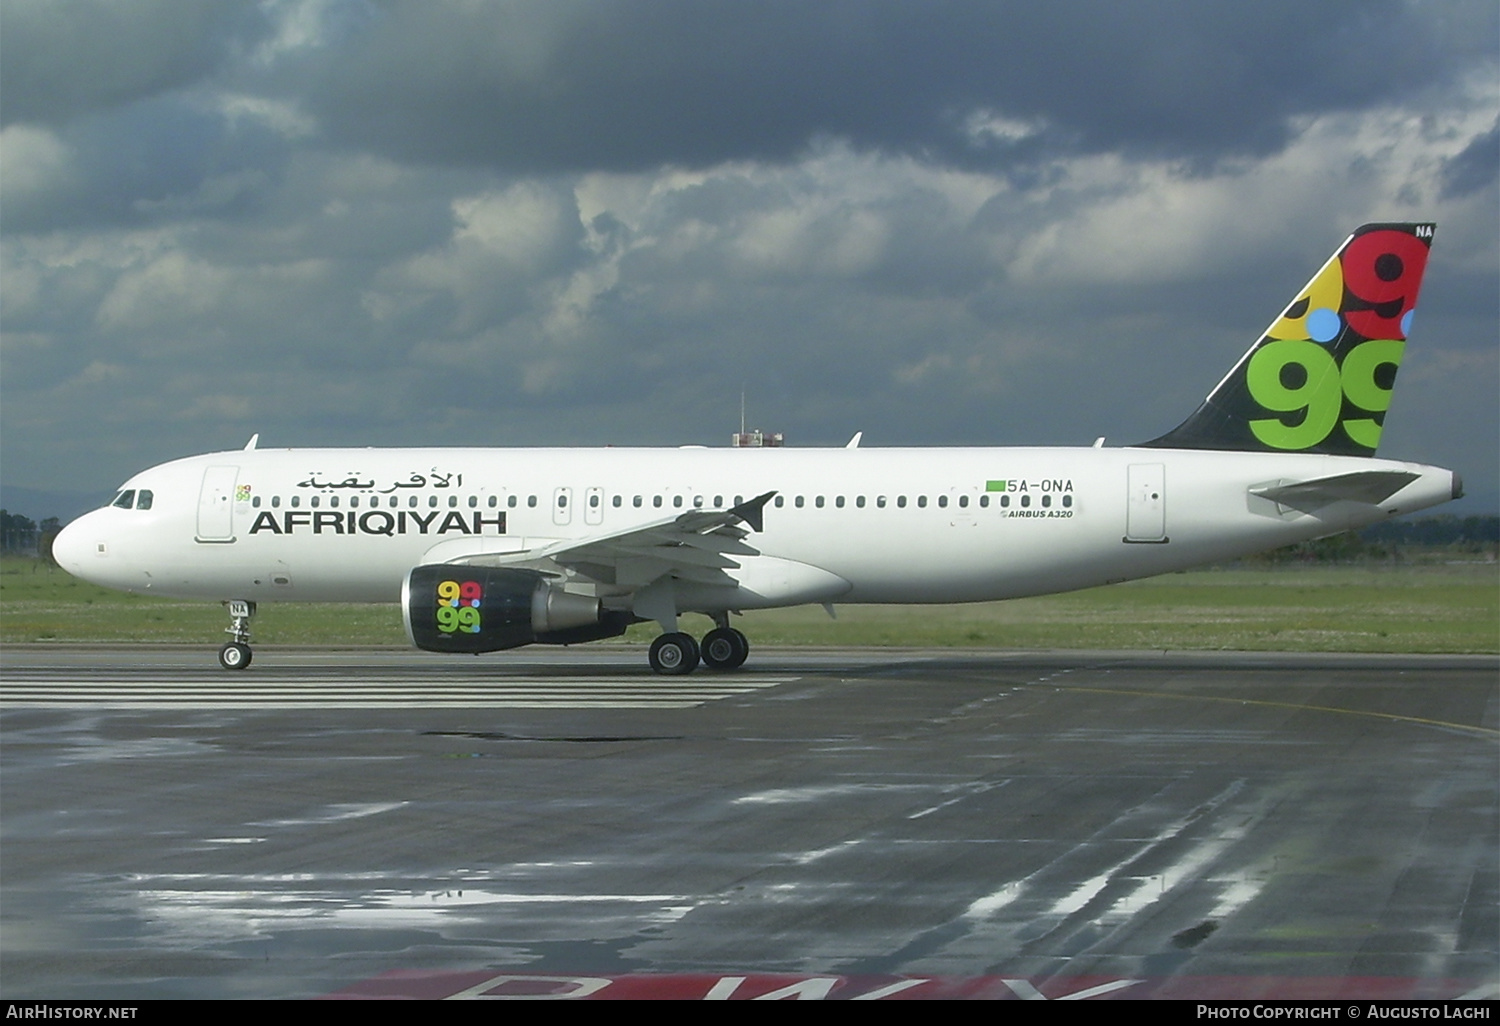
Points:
(1369, 486)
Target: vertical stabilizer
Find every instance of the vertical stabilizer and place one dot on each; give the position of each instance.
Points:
(1320, 379)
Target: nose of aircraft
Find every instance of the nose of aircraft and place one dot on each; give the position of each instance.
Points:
(74, 545)
(67, 548)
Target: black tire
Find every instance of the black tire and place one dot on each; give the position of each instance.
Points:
(234, 656)
(674, 654)
(725, 648)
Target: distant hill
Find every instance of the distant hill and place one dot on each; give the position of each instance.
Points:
(40, 505)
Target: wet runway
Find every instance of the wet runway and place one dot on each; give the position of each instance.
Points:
(825, 823)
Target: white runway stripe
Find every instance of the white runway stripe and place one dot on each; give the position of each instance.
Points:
(144, 690)
(42, 688)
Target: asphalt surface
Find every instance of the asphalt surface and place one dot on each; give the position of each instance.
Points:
(824, 823)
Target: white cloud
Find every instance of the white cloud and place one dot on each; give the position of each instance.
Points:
(34, 163)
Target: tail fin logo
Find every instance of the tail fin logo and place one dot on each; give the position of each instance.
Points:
(1320, 380)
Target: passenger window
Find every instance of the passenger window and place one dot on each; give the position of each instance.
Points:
(697, 502)
(718, 502)
(839, 502)
(494, 500)
(942, 502)
(636, 502)
(880, 501)
(921, 502)
(818, 502)
(1026, 500)
(780, 501)
(313, 502)
(452, 501)
(1046, 500)
(473, 501)
(146, 499)
(901, 501)
(593, 502)
(275, 502)
(296, 501)
(656, 501)
(984, 502)
(1005, 500)
(617, 501)
(562, 502)
(411, 500)
(125, 500)
(859, 500)
(531, 502)
(432, 502)
(510, 500)
(354, 500)
(677, 501)
(1068, 500)
(798, 501)
(963, 502)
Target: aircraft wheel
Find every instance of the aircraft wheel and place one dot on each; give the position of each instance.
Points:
(234, 656)
(725, 648)
(674, 654)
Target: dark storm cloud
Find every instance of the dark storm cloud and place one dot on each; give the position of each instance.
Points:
(1477, 167)
(63, 58)
(356, 222)
(633, 85)
(155, 160)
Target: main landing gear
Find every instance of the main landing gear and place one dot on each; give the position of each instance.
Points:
(236, 654)
(723, 648)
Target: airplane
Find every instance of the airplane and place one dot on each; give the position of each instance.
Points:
(492, 549)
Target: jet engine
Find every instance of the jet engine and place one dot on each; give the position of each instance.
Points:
(453, 608)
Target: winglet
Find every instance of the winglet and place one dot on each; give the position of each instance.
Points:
(253, 440)
(752, 511)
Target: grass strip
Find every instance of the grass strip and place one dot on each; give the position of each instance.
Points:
(1445, 608)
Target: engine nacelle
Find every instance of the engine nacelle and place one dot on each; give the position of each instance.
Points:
(453, 608)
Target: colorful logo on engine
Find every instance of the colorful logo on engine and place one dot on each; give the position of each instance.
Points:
(1330, 360)
(458, 606)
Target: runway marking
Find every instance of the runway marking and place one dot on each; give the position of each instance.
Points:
(1397, 717)
(308, 692)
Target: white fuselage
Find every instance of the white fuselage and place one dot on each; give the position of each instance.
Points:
(846, 525)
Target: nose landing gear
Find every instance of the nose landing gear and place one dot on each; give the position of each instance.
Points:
(236, 654)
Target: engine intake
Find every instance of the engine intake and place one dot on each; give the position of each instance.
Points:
(452, 608)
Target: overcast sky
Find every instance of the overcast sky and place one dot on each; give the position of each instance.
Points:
(347, 222)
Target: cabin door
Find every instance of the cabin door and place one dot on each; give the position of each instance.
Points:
(215, 509)
(1146, 504)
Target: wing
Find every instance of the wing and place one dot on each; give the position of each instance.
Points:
(696, 546)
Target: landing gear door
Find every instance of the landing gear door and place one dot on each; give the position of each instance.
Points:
(1146, 504)
(215, 519)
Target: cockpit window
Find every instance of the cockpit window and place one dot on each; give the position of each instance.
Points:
(143, 500)
(125, 499)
